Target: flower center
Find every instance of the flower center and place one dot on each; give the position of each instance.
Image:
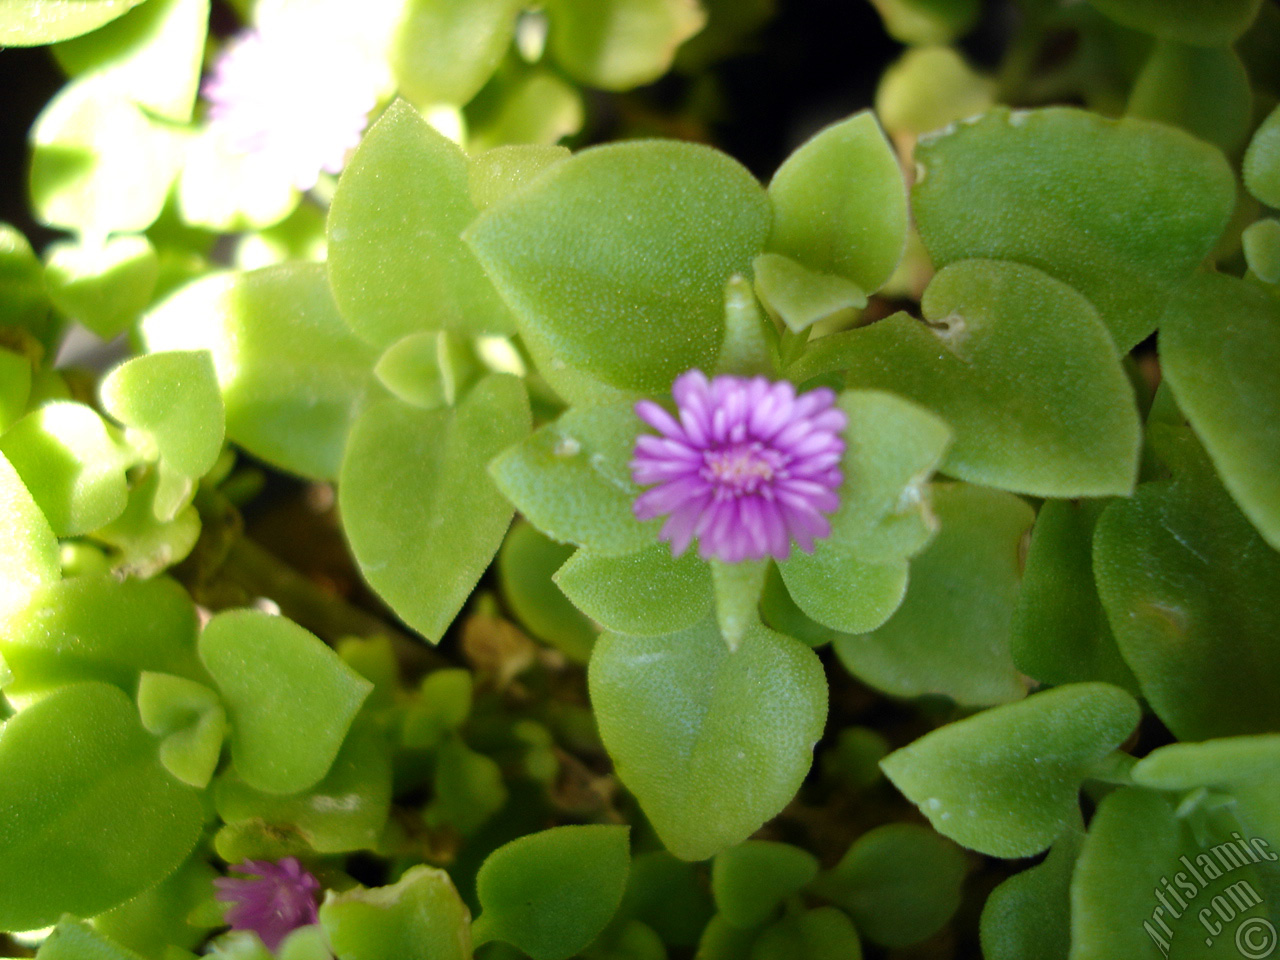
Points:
(742, 468)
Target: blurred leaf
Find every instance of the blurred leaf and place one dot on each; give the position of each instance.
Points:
(751, 881)
(527, 563)
(1192, 594)
(951, 634)
(293, 377)
(23, 300)
(1262, 161)
(1005, 782)
(930, 87)
(840, 205)
(104, 287)
(28, 547)
(99, 164)
(417, 503)
(1220, 352)
(419, 916)
(552, 893)
(223, 188)
(15, 386)
(900, 883)
(821, 934)
(642, 593)
(928, 21)
(1203, 90)
(1019, 367)
(620, 44)
(524, 105)
(92, 819)
(290, 698)
(1028, 917)
(440, 708)
(73, 939)
(29, 23)
(444, 51)
(709, 746)
(468, 788)
(1060, 631)
(1262, 249)
(73, 467)
(1122, 210)
(669, 896)
(653, 230)
(345, 811)
(1190, 21)
(396, 262)
(151, 56)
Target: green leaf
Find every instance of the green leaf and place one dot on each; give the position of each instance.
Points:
(173, 914)
(30, 23)
(499, 171)
(292, 376)
(750, 881)
(840, 205)
(143, 543)
(1203, 90)
(522, 105)
(71, 464)
(99, 164)
(1220, 352)
(617, 258)
(737, 588)
(713, 743)
(396, 262)
(73, 939)
(92, 819)
(28, 548)
(1018, 365)
(930, 87)
(822, 934)
(420, 916)
(572, 479)
(417, 503)
(1122, 210)
(289, 697)
(15, 386)
(444, 52)
(1005, 782)
(441, 707)
(1262, 161)
(800, 296)
(190, 718)
(104, 287)
(552, 893)
(1191, 592)
(468, 788)
(1060, 632)
(345, 811)
(151, 56)
(620, 44)
(527, 564)
(1190, 21)
(1262, 249)
(172, 396)
(750, 344)
(900, 883)
(1028, 917)
(927, 21)
(668, 895)
(641, 593)
(23, 300)
(840, 590)
(951, 635)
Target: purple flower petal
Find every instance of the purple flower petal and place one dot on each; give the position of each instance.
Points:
(746, 466)
(281, 898)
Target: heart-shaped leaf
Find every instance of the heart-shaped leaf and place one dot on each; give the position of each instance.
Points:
(712, 742)
(1005, 782)
(1122, 210)
(617, 258)
(104, 286)
(1021, 369)
(418, 504)
(750, 881)
(620, 44)
(1028, 917)
(419, 916)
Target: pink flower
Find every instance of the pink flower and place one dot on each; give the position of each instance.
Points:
(280, 898)
(747, 468)
(292, 95)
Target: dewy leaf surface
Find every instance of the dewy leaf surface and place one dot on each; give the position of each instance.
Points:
(420, 511)
(1005, 782)
(1121, 210)
(713, 743)
(617, 258)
